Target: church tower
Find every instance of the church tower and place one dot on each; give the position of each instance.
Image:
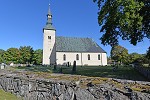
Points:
(49, 46)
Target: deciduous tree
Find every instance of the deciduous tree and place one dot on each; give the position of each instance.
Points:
(119, 53)
(1, 55)
(26, 54)
(128, 19)
(37, 56)
(11, 55)
(148, 55)
(134, 57)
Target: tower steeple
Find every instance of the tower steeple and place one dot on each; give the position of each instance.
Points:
(49, 45)
(49, 11)
(49, 20)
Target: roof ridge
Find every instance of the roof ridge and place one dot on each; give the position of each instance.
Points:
(74, 37)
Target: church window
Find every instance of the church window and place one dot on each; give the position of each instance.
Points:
(88, 56)
(49, 37)
(64, 57)
(77, 57)
(99, 57)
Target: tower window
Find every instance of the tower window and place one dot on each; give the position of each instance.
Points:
(64, 57)
(99, 57)
(49, 37)
(77, 57)
(88, 56)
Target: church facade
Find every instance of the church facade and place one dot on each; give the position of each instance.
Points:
(63, 50)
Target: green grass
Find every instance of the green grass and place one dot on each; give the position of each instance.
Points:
(35, 68)
(7, 96)
(106, 71)
(92, 71)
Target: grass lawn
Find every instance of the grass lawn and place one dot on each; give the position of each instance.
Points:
(107, 71)
(7, 96)
(93, 71)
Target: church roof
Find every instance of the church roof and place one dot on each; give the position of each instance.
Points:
(49, 26)
(73, 44)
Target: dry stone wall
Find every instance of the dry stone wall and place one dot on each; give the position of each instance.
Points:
(34, 88)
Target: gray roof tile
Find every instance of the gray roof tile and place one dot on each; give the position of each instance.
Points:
(73, 44)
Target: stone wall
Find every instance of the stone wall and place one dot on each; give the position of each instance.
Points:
(34, 88)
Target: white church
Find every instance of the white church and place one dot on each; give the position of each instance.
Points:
(61, 50)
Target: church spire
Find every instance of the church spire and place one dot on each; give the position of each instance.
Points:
(49, 11)
(49, 20)
(49, 16)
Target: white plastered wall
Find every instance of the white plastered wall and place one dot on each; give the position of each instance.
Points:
(83, 58)
(49, 47)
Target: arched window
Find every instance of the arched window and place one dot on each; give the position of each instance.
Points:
(77, 57)
(88, 56)
(99, 57)
(64, 57)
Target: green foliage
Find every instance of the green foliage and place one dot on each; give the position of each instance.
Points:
(23, 55)
(148, 53)
(138, 58)
(37, 56)
(135, 57)
(1, 55)
(26, 54)
(119, 53)
(128, 19)
(11, 55)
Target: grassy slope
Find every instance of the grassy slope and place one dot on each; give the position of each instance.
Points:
(121, 72)
(7, 96)
(94, 71)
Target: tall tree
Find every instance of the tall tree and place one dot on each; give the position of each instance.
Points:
(148, 55)
(11, 55)
(1, 55)
(128, 19)
(134, 57)
(37, 56)
(119, 53)
(26, 54)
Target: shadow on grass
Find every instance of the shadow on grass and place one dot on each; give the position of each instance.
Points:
(92, 71)
(36, 68)
(107, 71)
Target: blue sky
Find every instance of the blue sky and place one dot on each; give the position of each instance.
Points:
(22, 22)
